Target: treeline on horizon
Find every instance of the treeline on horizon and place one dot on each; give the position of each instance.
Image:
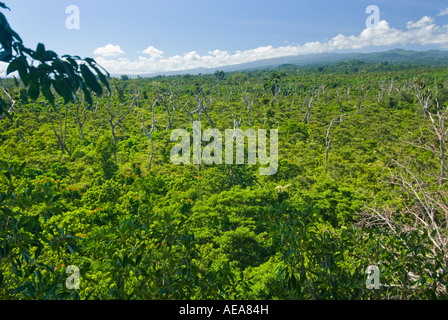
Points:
(346, 66)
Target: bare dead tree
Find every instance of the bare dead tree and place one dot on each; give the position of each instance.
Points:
(427, 214)
(236, 123)
(61, 133)
(12, 101)
(328, 140)
(324, 92)
(115, 118)
(306, 118)
(203, 104)
(294, 96)
(167, 101)
(425, 187)
(366, 92)
(149, 134)
(438, 127)
(391, 87)
(192, 120)
(381, 91)
(424, 97)
(80, 115)
(276, 92)
(99, 99)
(286, 93)
(219, 76)
(436, 146)
(337, 121)
(319, 90)
(249, 101)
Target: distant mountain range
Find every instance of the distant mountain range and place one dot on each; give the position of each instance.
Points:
(430, 57)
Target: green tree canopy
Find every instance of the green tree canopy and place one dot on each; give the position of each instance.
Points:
(42, 70)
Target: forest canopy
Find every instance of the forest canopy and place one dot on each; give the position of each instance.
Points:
(86, 180)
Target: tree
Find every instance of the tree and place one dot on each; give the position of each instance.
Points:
(306, 118)
(170, 96)
(249, 101)
(219, 76)
(80, 116)
(420, 221)
(337, 121)
(115, 118)
(62, 121)
(42, 70)
(149, 134)
(274, 83)
(264, 100)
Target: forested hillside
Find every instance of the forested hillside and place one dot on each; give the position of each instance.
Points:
(361, 181)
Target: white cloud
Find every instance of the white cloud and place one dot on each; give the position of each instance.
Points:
(422, 23)
(423, 32)
(109, 51)
(443, 12)
(153, 52)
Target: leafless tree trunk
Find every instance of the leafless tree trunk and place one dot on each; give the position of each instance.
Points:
(436, 146)
(424, 98)
(80, 115)
(249, 102)
(167, 100)
(391, 87)
(293, 97)
(321, 88)
(13, 102)
(427, 191)
(337, 121)
(192, 120)
(236, 123)
(381, 91)
(97, 104)
(149, 134)
(115, 119)
(306, 118)
(203, 105)
(276, 92)
(62, 135)
(440, 132)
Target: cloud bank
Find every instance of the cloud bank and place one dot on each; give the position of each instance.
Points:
(423, 32)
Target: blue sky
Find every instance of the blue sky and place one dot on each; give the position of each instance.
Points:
(137, 36)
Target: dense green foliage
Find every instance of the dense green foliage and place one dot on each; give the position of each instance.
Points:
(220, 231)
(43, 72)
